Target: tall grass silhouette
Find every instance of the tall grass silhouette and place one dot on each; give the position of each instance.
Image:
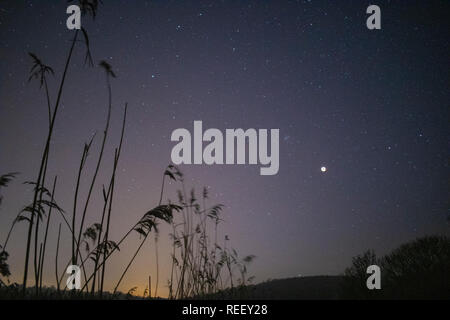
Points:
(199, 265)
(4, 267)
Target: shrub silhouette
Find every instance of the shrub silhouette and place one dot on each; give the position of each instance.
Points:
(418, 270)
(4, 267)
(415, 270)
(354, 284)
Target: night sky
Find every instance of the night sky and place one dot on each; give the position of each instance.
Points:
(370, 106)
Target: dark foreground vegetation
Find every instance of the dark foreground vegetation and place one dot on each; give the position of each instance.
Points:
(419, 269)
(415, 270)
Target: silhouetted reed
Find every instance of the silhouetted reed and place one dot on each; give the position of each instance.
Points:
(202, 260)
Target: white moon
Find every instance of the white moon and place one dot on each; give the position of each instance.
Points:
(323, 169)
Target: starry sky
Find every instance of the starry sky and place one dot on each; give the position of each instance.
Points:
(370, 106)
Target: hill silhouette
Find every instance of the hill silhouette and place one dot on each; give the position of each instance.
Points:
(296, 288)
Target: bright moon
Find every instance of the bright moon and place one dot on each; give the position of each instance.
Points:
(323, 169)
